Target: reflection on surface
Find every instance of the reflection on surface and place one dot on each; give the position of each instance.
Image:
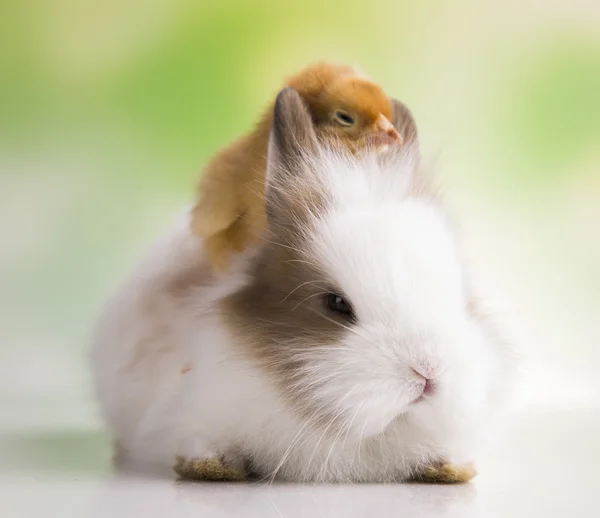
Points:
(182, 499)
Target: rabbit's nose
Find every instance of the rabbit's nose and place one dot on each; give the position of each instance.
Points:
(429, 388)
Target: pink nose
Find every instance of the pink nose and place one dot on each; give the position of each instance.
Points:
(429, 388)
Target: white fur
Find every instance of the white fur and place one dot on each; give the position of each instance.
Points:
(395, 258)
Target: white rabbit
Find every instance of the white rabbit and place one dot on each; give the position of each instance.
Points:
(346, 347)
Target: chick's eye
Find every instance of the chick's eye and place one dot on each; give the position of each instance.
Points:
(343, 118)
(337, 304)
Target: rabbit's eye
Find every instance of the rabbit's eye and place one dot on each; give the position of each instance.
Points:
(337, 304)
(343, 118)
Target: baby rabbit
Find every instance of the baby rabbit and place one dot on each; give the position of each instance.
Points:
(345, 347)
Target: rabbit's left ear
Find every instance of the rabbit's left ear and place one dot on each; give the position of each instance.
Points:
(404, 123)
(292, 141)
(292, 135)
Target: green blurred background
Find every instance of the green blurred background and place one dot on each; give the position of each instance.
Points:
(108, 109)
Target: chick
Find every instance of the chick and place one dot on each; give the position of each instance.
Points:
(348, 109)
(346, 106)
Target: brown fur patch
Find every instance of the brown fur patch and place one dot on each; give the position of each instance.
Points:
(281, 314)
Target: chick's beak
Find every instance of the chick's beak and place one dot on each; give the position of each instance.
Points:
(383, 127)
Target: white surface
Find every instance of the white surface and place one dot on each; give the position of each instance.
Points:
(545, 466)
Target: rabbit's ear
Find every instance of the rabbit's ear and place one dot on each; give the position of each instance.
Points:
(292, 138)
(404, 123)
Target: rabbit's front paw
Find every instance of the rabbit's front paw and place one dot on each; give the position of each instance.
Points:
(218, 468)
(446, 473)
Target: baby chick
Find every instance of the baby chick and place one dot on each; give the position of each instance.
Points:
(348, 109)
(346, 106)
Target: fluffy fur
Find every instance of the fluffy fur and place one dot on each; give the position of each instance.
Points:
(250, 367)
(229, 213)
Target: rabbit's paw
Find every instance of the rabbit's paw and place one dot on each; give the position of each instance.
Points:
(218, 468)
(446, 473)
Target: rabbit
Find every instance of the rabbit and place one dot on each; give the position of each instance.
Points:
(346, 346)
